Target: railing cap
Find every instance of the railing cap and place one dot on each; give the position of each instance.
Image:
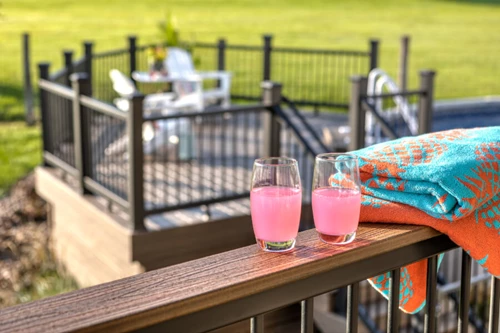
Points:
(270, 84)
(358, 78)
(427, 72)
(78, 77)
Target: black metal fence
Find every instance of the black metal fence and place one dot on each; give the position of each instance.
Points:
(150, 164)
(386, 116)
(315, 78)
(200, 158)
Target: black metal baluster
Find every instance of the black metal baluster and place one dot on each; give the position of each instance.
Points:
(307, 315)
(201, 145)
(204, 129)
(99, 161)
(447, 310)
(494, 305)
(155, 191)
(223, 153)
(257, 324)
(213, 156)
(337, 77)
(325, 84)
(246, 149)
(167, 165)
(111, 159)
(393, 314)
(192, 138)
(352, 308)
(258, 134)
(178, 169)
(289, 142)
(430, 314)
(485, 295)
(234, 143)
(463, 310)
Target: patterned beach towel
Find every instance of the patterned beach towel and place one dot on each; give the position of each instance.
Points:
(447, 180)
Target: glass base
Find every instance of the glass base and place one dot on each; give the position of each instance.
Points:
(337, 239)
(276, 246)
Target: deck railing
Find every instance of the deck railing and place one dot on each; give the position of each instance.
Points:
(386, 114)
(316, 78)
(247, 283)
(146, 164)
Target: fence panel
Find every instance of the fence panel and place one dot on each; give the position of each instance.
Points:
(102, 88)
(317, 77)
(108, 151)
(245, 65)
(191, 160)
(59, 137)
(400, 113)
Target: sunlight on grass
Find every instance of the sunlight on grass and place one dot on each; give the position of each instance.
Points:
(50, 282)
(19, 152)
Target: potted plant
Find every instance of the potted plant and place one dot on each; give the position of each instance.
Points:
(156, 60)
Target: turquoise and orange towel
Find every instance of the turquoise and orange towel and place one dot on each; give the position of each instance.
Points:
(447, 180)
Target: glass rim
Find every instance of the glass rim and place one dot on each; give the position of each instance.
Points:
(325, 157)
(283, 162)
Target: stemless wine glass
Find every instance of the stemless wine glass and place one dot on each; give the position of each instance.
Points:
(275, 203)
(336, 197)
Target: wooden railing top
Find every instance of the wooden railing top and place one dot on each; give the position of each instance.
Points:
(176, 291)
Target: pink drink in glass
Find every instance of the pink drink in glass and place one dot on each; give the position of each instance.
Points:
(336, 212)
(275, 213)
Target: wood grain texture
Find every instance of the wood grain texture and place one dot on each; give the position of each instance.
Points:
(96, 247)
(153, 297)
(93, 245)
(175, 245)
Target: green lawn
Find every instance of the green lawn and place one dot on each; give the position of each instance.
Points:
(457, 38)
(19, 152)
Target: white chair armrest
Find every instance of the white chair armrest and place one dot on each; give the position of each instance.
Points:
(159, 97)
(214, 74)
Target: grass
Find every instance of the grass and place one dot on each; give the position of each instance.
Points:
(19, 152)
(49, 282)
(457, 38)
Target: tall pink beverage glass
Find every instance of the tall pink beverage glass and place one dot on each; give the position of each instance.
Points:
(336, 197)
(275, 203)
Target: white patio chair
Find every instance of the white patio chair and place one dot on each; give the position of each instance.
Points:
(159, 136)
(179, 64)
(126, 88)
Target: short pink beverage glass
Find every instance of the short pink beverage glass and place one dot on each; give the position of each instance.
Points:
(275, 203)
(336, 197)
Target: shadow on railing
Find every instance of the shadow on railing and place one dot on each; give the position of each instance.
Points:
(223, 289)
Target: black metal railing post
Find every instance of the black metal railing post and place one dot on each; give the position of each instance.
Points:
(87, 51)
(266, 64)
(43, 69)
(431, 299)
(136, 163)
(374, 44)
(426, 101)
(68, 64)
(132, 48)
(271, 97)
(81, 86)
(403, 62)
(357, 113)
(493, 326)
(352, 308)
(221, 57)
(28, 89)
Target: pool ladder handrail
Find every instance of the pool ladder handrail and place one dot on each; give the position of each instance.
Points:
(378, 79)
